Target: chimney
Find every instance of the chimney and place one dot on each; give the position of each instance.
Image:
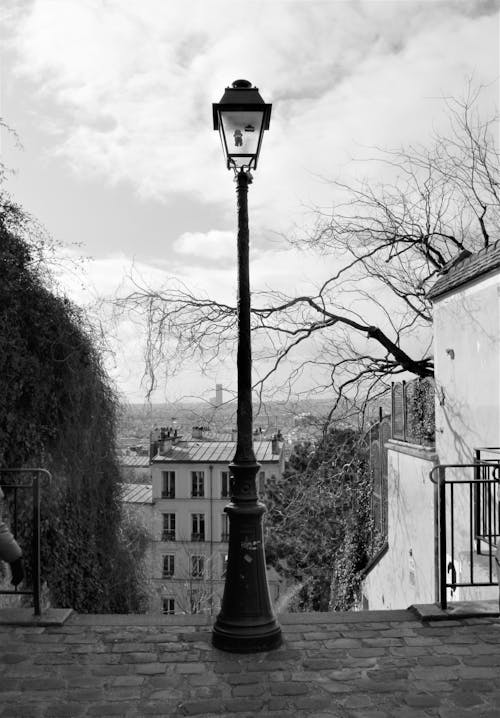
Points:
(234, 434)
(197, 432)
(275, 443)
(166, 440)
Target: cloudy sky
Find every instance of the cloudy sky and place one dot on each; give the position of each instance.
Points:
(111, 100)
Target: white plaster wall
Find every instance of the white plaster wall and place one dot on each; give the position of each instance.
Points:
(467, 367)
(467, 363)
(401, 579)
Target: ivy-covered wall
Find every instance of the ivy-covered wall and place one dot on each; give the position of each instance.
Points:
(58, 410)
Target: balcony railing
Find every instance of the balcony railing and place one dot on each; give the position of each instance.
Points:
(197, 537)
(168, 494)
(33, 486)
(224, 536)
(468, 523)
(168, 535)
(487, 506)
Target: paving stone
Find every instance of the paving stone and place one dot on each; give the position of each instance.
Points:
(356, 700)
(237, 705)
(85, 695)
(105, 709)
(43, 684)
(368, 652)
(288, 689)
(336, 643)
(9, 658)
(320, 664)
(237, 679)
(465, 699)
(482, 660)
(246, 691)
(422, 700)
(434, 673)
(149, 669)
(313, 702)
(140, 657)
(202, 708)
(440, 660)
(64, 710)
(22, 710)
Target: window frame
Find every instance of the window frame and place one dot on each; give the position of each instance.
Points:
(197, 566)
(224, 485)
(171, 610)
(168, 533)
(198, 522)
(170, 572)
(224, 531)
(198, 484)
(168, 479)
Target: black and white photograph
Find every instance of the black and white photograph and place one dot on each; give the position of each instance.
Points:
(249, 358)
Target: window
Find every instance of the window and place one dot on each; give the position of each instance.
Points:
(262, 482)
(195, 601)
(224, 565)
(168, 566)
(168, 533)
(224, 477)
(197, 484)
(197, 527)
(197, 566)
(224, 534)
(168, 606)
(168, 484)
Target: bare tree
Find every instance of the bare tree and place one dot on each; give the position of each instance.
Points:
(370, 320)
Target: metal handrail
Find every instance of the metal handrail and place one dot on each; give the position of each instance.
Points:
(35, 486)
(475, 483)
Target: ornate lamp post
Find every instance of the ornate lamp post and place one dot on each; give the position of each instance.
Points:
(246, 622)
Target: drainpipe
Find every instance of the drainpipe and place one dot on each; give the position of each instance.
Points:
(211, 561)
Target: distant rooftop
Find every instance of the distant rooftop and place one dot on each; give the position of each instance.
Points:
(465, 268)
(214, 452)
(137, 494)
(134, 460)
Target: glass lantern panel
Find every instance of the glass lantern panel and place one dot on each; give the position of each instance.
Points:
(242, 131)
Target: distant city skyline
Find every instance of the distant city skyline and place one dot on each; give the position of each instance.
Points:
(112, 105)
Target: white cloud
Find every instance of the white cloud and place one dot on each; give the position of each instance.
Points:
(121, 91)
(213, 246)
(135, 83)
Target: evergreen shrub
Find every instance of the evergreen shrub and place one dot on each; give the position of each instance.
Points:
(59, 411)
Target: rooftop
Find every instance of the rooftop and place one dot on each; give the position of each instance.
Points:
(370, 664)
(136, 460)
(137, 493)
(467, 269)
(203, 452)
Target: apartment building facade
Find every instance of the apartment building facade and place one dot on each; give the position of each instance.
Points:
(190, 488)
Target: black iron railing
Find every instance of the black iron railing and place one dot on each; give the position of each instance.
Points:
(487, 507)
(474, 501)
(32, 485)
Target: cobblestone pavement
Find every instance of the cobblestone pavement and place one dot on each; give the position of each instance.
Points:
(366, 665)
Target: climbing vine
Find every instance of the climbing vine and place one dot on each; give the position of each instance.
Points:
(58, 410)
(319, 527)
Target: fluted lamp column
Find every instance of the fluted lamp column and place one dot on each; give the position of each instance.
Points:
(246, 622)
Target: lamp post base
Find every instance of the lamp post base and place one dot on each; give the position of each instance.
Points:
(246, 622)
(238, 638)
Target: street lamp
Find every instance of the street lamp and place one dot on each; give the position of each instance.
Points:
(246, 622)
